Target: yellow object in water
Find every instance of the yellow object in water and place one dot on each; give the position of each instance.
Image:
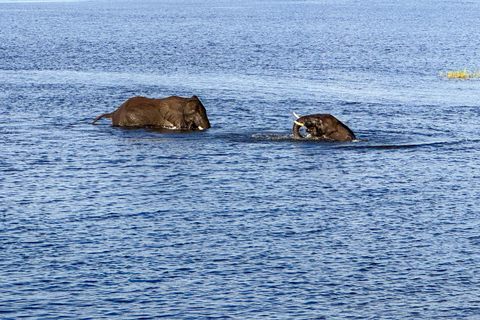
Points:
(460, 74)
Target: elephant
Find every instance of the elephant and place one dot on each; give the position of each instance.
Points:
(170, 113)
(323, 126)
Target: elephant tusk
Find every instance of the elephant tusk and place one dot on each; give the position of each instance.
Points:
(296, 115)
(299, 123)
(200, 128)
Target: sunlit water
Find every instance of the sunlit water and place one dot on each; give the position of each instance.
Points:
(240, 221)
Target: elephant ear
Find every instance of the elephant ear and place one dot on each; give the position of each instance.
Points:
(176, 118)
(191, 106)
(349, 131)
(172, 115)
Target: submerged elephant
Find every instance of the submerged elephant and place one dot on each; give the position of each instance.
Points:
(170, 113)
(323, 126)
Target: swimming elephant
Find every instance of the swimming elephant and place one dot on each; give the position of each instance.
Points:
(323, 126)
(171, 113)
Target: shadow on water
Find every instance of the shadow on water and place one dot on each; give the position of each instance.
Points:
(367, 140)
(380, 140)
(152, 129)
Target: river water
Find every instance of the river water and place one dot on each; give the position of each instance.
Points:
(240, 221)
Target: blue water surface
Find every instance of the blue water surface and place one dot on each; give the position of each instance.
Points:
(240, 221)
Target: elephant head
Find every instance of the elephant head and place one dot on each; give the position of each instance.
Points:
(170, 113)
(195, 115)
(323, 126)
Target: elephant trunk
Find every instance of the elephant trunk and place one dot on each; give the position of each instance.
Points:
(202, 122)
(296, 129)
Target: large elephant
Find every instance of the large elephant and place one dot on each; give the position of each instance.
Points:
(171, 113)
(323, 126)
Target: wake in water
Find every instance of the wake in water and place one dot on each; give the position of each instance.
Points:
(272, 137)
(291, 137)
(369, 141)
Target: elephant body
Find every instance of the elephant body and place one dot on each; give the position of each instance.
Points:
(171, 113)
(323, 126)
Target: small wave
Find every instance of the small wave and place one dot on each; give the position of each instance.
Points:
(406, 145)
(272, 136)
(290, 137)
(368, 143)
